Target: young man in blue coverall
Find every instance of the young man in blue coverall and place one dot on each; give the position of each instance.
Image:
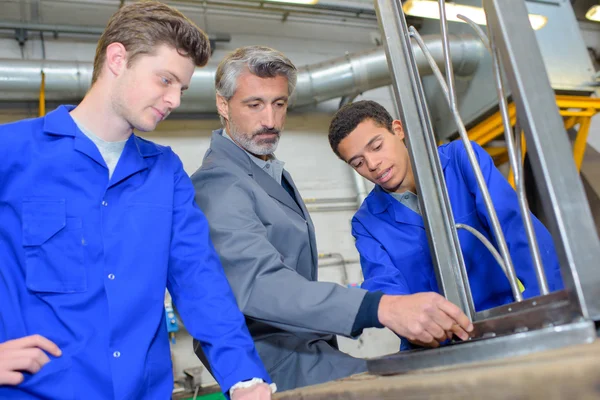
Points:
(388, 227)
(96, 222)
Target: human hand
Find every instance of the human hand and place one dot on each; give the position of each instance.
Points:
(426, 319)
(260, 391)
(24, 354)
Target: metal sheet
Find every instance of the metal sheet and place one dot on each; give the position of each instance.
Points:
(485, 349)
(553, 313)
(443, 241)
(530, 303)
(561, 190)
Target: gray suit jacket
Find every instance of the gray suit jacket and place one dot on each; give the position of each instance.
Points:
(267, 246)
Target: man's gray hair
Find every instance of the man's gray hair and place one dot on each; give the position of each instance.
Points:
(261, 61)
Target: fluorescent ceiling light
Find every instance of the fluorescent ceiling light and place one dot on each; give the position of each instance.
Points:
(295, 1)
(430, 9)
(593, 13)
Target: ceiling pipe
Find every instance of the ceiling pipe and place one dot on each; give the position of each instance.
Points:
(350, 75)
(82, 30)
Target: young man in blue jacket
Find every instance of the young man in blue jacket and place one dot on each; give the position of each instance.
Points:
(388, 227)
(97, 222)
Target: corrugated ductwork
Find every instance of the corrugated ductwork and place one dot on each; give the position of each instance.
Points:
(344, 76)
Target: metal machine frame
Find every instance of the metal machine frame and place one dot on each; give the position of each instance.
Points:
(550, 320)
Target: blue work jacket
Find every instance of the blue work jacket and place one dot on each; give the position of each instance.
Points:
(394, 250)
(85, 260)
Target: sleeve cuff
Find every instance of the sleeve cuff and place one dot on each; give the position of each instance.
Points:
(367, 313)
(250, 383)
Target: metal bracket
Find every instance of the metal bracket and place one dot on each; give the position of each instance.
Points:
(21, 36)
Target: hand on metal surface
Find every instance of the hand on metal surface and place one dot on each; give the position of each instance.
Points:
(260, 391)
(426, 319)
(24, 354)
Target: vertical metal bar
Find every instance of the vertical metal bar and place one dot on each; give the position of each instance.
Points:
(42, 100)
(517, 166)
(581, 140)
(447, 58)
(515, 163)
(496, 228)
(561, 190)
(437, 214)
(519, 140)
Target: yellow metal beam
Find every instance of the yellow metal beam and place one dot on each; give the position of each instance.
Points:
(43, 95)
(575, 109)
(587, 113)
(494, 133)
(563, 101)
(581, 141)
(571, 122)
(495, 151)
(490, 123)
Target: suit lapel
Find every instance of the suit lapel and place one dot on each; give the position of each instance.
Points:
(232, 151)
(311, 227)
(274, 189)
(227, 148)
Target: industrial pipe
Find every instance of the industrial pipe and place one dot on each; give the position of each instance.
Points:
(68, 81)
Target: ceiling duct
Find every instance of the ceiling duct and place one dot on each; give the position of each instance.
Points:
(68, 81)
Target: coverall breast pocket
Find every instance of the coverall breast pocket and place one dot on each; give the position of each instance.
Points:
(53, 246)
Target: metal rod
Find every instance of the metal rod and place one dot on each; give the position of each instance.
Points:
(520, 185)
(515, 160)
(482, 36)
(82, 30)
(516, 165)
(341, 261)
(462, 268)
(518, 150)
(328, 200)
(519, 177)
(496, 228)
(447, 58)
(433, 196)
(486, 243)
(436, 71)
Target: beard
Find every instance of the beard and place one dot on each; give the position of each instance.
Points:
(256, 142)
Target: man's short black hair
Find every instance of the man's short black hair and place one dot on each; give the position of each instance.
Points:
(347, 118)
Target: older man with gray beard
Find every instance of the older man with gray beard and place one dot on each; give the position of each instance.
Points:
(266, 241)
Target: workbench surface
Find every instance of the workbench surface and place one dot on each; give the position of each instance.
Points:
(568, 373)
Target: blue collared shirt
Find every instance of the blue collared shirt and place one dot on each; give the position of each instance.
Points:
(409, 199)
(85, 262)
